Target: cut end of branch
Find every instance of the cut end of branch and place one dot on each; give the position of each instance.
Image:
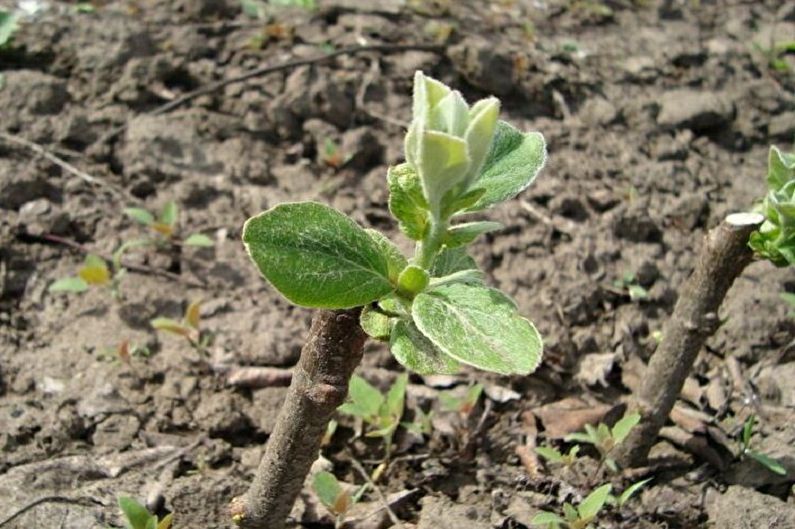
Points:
(745, 219)
(237, 510)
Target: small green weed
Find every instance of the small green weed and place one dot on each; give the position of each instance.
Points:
(381, 413)
(605, 439)
(765, 460)
(139, 517)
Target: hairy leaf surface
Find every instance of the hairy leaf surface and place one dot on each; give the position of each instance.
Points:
(317, 257)
(478, 326)
(514, 160)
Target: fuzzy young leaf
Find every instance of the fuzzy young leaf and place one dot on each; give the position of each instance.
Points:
(69, 284)
(406, 201)
(413, 279)
(198, 239)
(624, 426)
(780, 168)
(463, 234)
(415, 352)
(478, 326)
(775, 239)
(317, 257)
(396, 261)
(137, 515)
(444, 163)
(452, 260)
(768, 462)
(548, 519)
(363, 399)
(453, 202)
(514, 160)
(374, 323)
(394, 305)
(464, 276)
(594, 502)
(140, 216)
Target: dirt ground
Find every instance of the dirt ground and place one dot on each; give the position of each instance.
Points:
(658, 117)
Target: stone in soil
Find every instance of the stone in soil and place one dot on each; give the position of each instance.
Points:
(694, 109)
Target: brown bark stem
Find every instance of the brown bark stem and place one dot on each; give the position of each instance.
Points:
(319, 385)
(722, 258)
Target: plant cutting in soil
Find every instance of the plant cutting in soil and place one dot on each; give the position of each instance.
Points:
(433, 310)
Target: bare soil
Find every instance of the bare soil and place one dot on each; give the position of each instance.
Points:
(658, 117)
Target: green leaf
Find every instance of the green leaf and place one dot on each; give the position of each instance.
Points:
(140, 216)
(453, 203)
(166, 522)
(768, 462)
(630, 491)
(452, 260)
(780, 168)
(374, 323)
(363, 399)
(406, 201)
(463, 234)
(443, 163)
(171, 326)
(316, 256)
(69, 284)
(395, 305)
(789, 297)
(151, 523)
(478, 326)
(592, 504)
(413, 280)
(137, 515)
(570, 512)
(480, 131)
(580, 437)
(395, 260)
(8, 26)
(327, 488)
(547, 518)
(463, 276)
(549, 453)
(748, 430)
(253, 8)
(170, 214)
(86, 8)
(198, 239)
(623, 427)
(512, 164)
(415, 352)
(94, 270)
(396, 397)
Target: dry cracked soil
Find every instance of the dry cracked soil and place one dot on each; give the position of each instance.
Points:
(658, 116)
